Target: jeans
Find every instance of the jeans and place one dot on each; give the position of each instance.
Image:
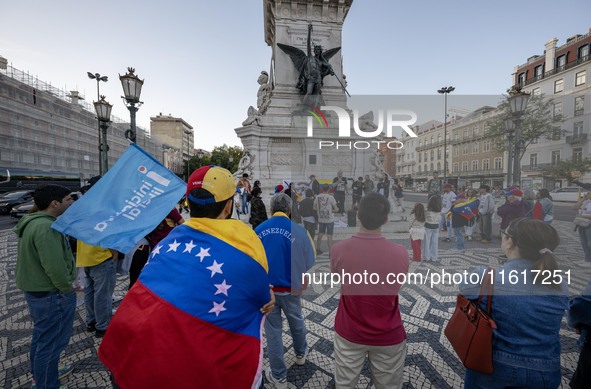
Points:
(585, 235)
(292, 308)
(98, 294)
(505, 376)
(486, 226)
(244, 197)
(53, 319)
(431, 243)
(340, 199)
(459, 238)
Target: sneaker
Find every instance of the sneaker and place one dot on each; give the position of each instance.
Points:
(446, 239)
(280, 383)
(100, 333)
(469, 238)
(116, 298)
(64, 371)
(90, 327)
(301, 359)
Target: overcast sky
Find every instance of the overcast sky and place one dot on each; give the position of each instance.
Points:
(201, 59)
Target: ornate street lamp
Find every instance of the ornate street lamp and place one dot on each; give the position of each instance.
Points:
(132, 89)
(103, 113)
(445, 91)
(518, 102)
(510, 127)
(98, 79)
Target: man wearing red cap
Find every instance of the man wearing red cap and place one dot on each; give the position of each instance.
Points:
(512, 209)
(194, 318)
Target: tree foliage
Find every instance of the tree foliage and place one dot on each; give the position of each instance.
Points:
(537, 122)
(220, 156)
(569, 169)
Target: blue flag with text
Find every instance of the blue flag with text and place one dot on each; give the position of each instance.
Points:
(126, 204)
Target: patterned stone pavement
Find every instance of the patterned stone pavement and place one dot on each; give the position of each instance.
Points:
(430, 362)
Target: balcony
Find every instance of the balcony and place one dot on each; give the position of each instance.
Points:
(537, 167)
(432, 145)
(476, 173)
(559, 69)
(574, 139)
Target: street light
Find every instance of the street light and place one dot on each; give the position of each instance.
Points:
(445, 91)
(132, 89)
(510, 126)
(200, 156)
(230, 164)
(188, 133)
(103, 113)
(518, 102)
(98, 79)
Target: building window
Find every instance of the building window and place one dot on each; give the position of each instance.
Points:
(521, 78)
(465, 166)
(557, 133)
(476, 130)
(425, 168)
(579, 105)
(456, 135)
(312, 159)
(456, 151)
(580, 77)
(536, 92)
(577, 129)
(555, 157)
(538, 71)
(432, 154)
(558, 86)
(557, 110)
(465, 133)
(486, 129)
(485, 164)
(474, 166)
(438, 138)
(465, 150)
(420, 143)
(498, 163)
(425, 157)
(560, 62)
(578, 154)
(420, 159)
(475, 148)
(533, 160)
(486, 145)
(456, 167)
(439, 152)
(432, 168)
(584, 52)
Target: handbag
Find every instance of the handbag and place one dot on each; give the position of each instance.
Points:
(470, 330)
(582, 221)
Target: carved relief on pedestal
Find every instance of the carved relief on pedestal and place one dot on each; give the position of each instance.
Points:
(337, 159)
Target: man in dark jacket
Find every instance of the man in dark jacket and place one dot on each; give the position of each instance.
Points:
(512, 209)
(258, 212)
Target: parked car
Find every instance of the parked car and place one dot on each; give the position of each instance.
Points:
(569, 193)
(11, 199)
(21, 210)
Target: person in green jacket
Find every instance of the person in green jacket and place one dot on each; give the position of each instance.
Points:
(45, 272)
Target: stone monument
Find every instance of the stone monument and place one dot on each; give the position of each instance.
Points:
(306, 73)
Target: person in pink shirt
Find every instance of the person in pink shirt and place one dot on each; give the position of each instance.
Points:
(368, 318)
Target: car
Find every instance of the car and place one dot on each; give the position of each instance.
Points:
(569, 193)
(21, 210)
(11, 199)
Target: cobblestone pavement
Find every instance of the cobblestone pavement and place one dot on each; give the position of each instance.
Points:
(430, 361)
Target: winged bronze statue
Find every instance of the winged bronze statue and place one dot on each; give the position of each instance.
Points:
(312, 68)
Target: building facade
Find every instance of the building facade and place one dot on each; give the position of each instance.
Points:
(45, 128)
(178, 136)
(561, 74)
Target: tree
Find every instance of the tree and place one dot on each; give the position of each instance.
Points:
(538, 121)
(220, 156)
(566, 168)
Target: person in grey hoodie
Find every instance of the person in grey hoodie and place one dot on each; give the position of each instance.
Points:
(486, 208)
(45, 272)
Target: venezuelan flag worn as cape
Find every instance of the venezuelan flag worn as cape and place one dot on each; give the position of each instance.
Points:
(193, 319)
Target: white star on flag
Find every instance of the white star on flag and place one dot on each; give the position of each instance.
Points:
(156, 250)
(222, 288)
(189, 247)
(203, 253)
(217, 308)
(173, 246)
(215, 268)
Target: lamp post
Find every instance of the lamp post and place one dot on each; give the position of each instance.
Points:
(103, 113)
(98, 79)
(518, 102)
(188, 133)
(200, 156)
(231, 164)
(132, 89)
(510, 126)
(445, 91)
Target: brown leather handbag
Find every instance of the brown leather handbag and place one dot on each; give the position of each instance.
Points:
(470, 330)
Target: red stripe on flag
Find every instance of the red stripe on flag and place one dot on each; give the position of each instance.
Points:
(152, 344)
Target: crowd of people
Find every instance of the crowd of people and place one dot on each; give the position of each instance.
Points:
(212, 280)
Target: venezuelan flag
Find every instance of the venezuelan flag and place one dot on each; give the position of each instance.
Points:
(466, 208)
(193, 319)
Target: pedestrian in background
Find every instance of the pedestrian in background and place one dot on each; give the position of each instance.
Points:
(309, 215)
(432, 228)
(368, 185)
(417, 230)
(579, 316)
(544, 207)
(486, 208)
(258, 211)
(45, 272)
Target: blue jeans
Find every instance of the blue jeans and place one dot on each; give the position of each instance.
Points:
(505, 376)
(98, 293)
(459, 238)
(292, 308)
(244, 197)
(431, 244)
(585, 235)
(53, 319)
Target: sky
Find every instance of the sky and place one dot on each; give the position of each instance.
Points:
(201, 59)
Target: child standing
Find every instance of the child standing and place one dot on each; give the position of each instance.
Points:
(432, 228)
(417, 230)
